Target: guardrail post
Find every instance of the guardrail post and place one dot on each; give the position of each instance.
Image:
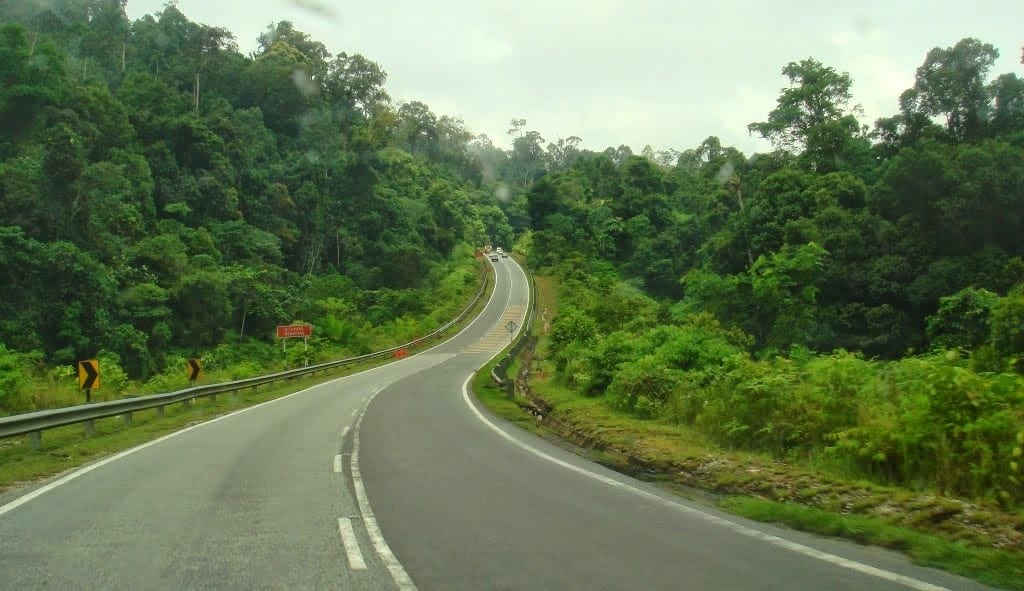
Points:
(510, 389)
(254, 386)
(90, 428)
(36, 437)
(234, 395)
(160, 411)
(127, 418)
(213, 398)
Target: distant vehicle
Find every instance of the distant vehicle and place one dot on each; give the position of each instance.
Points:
(504, 255)
(494, 257)
(499, 250)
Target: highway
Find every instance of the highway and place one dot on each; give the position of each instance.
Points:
(395, 478)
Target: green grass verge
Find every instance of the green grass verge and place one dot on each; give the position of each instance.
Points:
(662, 444)
(645, 438)
(495, 399)
(991, 566)
(68, 447)
(987, 565)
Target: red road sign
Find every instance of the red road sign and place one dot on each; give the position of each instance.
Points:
(294, 330)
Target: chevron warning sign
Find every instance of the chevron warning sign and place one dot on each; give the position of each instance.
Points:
(89, 374)
(194, 369)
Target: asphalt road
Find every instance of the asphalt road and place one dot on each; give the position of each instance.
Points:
(395, 478)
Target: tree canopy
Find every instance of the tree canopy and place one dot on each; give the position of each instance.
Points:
(162, 192)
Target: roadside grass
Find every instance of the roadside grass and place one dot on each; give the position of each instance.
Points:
(679, 455)
(613, 429)
(68, 447)
(495, 399)
(660, 445)
(672, 445)
(987, 565)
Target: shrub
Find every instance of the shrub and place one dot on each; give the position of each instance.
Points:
(13, 377)
(1007, 322)
(962, 319)
(932, 421)
(750, 405)
(570, 326)
(643, 386)
(605, 358)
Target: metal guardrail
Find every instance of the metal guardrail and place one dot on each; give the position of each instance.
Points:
(34, 423)
(500, 369)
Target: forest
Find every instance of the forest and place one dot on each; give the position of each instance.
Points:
(854, 298)
(163, 195)
(855, 295)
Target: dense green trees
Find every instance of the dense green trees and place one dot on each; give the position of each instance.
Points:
(856, 292)
(853, 296)
(898, 218)
(161, 193)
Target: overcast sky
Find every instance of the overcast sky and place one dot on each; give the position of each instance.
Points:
(636, 72)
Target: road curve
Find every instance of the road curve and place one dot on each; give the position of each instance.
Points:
(394, 478)
(259, 499)
(468, 501)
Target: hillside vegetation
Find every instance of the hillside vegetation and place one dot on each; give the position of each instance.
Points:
(163, 195)
(854, 299)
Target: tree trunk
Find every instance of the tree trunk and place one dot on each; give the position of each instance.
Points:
(739, 199)
(124, 52)
(196, 94)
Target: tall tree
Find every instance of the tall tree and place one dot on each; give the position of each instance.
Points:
(812, 115)
(951, 83)
(31, 77)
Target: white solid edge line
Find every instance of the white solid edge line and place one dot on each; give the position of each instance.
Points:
(753, 533)
(742, 529)
(348, 540)
(380, 545)
(337, 463)
(86, 469)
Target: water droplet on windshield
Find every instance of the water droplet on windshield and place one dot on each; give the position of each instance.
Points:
(502, 193)
(304, 83)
